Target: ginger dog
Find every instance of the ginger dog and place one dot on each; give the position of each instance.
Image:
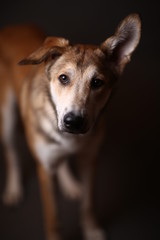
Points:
(61, 91)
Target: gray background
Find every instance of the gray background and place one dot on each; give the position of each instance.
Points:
(127, 198)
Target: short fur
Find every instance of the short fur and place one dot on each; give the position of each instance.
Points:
(61, 92)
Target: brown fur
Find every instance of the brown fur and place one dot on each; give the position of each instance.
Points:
(44, 101)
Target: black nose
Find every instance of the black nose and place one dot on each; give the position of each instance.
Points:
(74, 123)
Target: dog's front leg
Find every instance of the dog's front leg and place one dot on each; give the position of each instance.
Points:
(13, 193)
(49, 203)
(91, 229)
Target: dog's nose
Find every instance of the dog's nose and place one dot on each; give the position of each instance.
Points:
(74, 123)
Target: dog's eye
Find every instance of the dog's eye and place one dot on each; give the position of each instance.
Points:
(96, 83)
(63, 79)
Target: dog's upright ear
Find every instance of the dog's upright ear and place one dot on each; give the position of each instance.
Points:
(52, 47)
(119, 47)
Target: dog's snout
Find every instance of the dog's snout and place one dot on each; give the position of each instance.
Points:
(74, 123)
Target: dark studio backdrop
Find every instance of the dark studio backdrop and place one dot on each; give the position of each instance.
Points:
(128, 181)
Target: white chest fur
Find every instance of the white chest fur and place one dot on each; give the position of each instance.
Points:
(52, 152)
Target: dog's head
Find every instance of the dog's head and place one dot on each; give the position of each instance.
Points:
(81, 76)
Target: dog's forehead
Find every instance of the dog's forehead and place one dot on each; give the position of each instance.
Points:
(85, 60)
(83, 56)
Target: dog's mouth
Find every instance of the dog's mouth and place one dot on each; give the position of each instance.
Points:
(74, 131)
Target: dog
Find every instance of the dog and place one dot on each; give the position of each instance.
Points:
(61, 91)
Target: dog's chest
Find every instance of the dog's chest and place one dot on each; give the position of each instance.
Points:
(52, 146)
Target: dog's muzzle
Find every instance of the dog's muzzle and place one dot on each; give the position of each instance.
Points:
(76, 124)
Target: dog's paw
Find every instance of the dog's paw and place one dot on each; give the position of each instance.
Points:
(12, 196)
(95, 234)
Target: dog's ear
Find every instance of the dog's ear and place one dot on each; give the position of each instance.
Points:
(119, 47)
(52, 47)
